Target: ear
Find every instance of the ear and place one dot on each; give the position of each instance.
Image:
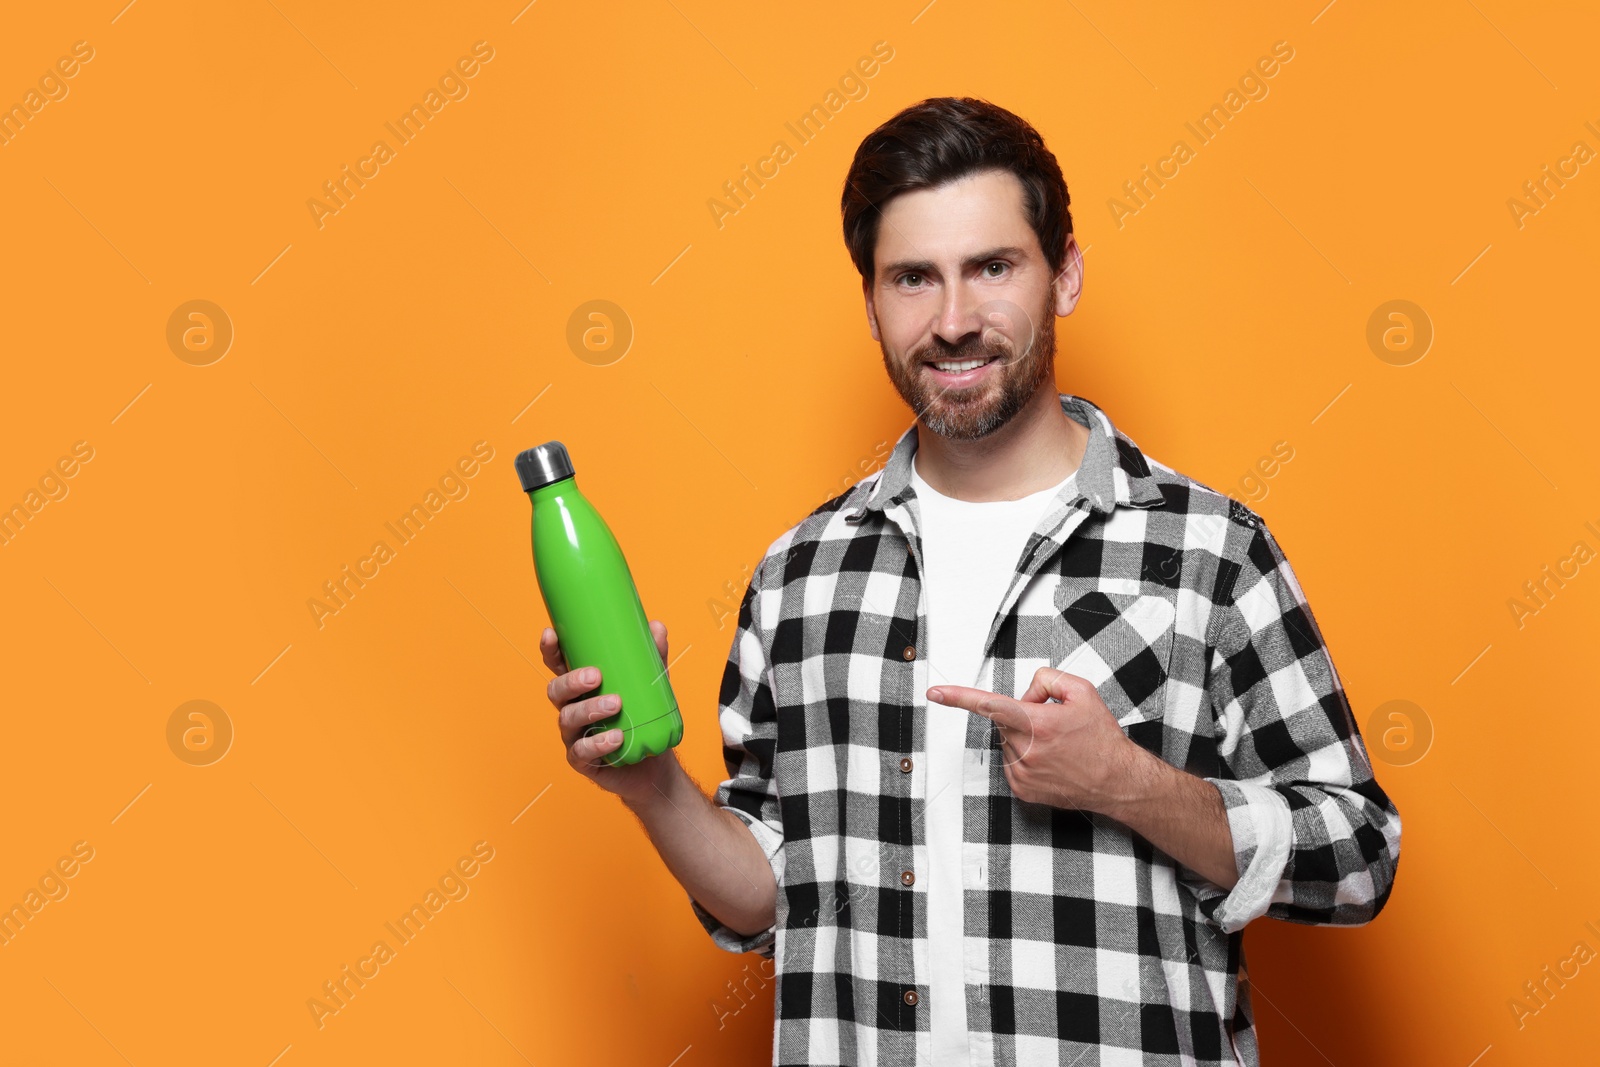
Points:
(1068, 284)
(872, 309)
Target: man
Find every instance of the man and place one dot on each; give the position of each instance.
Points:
(1025, 727)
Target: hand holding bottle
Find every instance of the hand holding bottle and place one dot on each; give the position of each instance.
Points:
(584, 751)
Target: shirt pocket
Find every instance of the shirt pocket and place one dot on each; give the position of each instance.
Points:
(1122, 644)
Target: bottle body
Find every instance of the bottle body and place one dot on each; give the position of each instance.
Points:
(595, 610)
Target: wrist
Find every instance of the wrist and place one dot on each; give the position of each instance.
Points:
(1137, 785)
(661, 775)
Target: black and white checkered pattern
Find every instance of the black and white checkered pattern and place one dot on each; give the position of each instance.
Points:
(1083, 944)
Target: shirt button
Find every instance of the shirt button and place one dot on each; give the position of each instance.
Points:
(910, 997)
(905, 764)
(910, 652)
(906, 878)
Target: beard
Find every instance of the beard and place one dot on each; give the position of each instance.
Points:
(971, 412)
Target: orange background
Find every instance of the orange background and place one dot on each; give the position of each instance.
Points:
(427, 314)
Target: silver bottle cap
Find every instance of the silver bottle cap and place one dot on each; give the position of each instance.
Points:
(543, 464)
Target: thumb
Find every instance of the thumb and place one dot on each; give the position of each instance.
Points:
(1048, 683)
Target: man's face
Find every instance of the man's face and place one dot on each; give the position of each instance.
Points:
(960, 278)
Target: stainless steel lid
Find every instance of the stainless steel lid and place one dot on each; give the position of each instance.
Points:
(543, 464)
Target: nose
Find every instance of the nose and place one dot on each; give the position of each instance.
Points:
(957, 319)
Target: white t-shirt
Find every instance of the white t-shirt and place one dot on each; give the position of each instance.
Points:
(969, 554)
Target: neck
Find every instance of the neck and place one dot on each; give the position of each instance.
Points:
(1038, 448)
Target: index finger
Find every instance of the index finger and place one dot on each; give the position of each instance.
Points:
(550, 649)
(990, 705)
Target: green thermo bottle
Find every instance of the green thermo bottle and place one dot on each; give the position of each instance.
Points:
(595, 609)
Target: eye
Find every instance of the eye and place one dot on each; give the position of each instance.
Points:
(996, 263)
(910, 274)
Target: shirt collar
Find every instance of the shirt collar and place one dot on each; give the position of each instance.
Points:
(1113, 470)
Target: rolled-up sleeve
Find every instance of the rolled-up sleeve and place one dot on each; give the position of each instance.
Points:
(749, 722)
(1316, 840)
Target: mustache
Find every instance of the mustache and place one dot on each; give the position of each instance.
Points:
(975, 348)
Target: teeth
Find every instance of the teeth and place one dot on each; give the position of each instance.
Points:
(964, 365)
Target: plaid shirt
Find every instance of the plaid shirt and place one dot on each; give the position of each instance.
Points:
(1083, 944)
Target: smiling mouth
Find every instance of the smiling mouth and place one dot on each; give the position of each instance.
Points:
(961, 366)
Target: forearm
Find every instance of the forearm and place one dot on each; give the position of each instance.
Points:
(1178, 813)
(709, 851)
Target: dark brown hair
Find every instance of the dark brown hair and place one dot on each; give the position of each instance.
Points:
(940, 140)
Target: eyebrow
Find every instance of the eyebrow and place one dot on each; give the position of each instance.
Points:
(923, 266)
